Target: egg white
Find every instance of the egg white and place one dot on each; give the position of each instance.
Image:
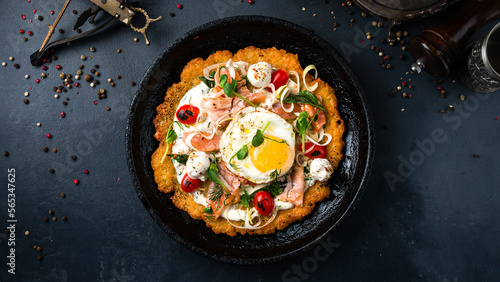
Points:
(240, 132)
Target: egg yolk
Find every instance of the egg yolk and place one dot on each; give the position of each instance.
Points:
(271, 155)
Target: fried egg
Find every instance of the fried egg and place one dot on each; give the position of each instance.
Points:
(276, 153)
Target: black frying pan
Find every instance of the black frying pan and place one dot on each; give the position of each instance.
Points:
(347, 182)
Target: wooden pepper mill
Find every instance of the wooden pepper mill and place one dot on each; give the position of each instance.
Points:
(440, 46)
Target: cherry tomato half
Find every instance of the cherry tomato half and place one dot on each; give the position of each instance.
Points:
(263, 202)
(316, 152)
(188, 184)
(187, 114)
(279, 78)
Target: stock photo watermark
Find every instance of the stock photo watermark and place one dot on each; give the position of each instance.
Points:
(427, 147)
(11, 220)
(310, 264)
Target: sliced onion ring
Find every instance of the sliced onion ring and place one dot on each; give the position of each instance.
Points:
(285, 92)
(255, 226)
(306, 70)
(328, 139)
(206, 71)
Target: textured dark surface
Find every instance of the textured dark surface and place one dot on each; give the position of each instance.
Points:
(439, 222)
(349, 179)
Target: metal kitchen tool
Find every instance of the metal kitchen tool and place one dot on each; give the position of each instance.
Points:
(398, 11)
(480, 67)
(440, 46)
(117, 8)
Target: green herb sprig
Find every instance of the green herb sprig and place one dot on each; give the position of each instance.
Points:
(230, 89)
(304, 97)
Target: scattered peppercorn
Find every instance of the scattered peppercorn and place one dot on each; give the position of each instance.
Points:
(51, 170)
(45, 149)
(26, 101)
(86, 171)
(108, 109)
(76, 181)
(17, 66)
(74, 12)
(179, 6)
(476, 156)
(118, 77)
(83, 57)
(40, 18)
(92, 49)
(74, 157)
(6, 153)
(96, 66)
(78, 30)
(65, 218)
(46, 219)
(119, 50)
(61, 31)
(54, 218)
(54, 150)
(63, 195)
(172, 15)
(51, 212)
(132, 83)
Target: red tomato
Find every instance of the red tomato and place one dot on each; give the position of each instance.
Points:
(279, 78)
(263, 202)
(188, 184)
(316, 152)
(187, 114)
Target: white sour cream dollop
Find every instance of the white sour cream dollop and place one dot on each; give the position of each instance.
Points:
(259, 74)
(197, 165)
(321, 169)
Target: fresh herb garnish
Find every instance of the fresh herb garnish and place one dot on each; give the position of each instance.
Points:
(302, 125)
(304, 97)
(171, 137)
(242, 153)
(245, 199)
(209, 83)
(230, 89)
(213, 175)
(180, 158)
(257, 140)
(208, 210)
(216, 193)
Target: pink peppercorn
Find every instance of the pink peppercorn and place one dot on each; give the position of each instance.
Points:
(45, 68)
(44, 60)
(76, 181)
(21, 31)
(95, 102)
(404, 83)
(63, 114)
(250, 2)
(23, 17)
(343, 4)
(440, 88)
(77, 84)
(48, 135)
(52, 12)
(179, 6)
(86, 171)
(58, 67)
(34, 11)
(30, 33)
(37, 80)
(496, 118)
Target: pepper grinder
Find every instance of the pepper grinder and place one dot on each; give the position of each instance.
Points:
(440, 46)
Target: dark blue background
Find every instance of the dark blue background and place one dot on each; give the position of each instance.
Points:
(439, 222)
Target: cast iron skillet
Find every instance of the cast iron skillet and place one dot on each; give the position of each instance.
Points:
(347, 182)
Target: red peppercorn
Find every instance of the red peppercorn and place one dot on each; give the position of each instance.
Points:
(21, 31)
(496, 118)
(86, 171)
(409, 95)
(77, 84)
(250, 2)
(30, 33)
(23, 17)
(44, 60)
(343, 4)
(76, 181)
(52, 12)
(34, 11)
(404, 83)
(179, 6)
(48, 135)
(37, 80)
(63, 114)
(45, 68)
(440, 88)
(95, 102)
(58, 67)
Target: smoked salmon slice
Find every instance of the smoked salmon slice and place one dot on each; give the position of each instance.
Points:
(201, 143)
